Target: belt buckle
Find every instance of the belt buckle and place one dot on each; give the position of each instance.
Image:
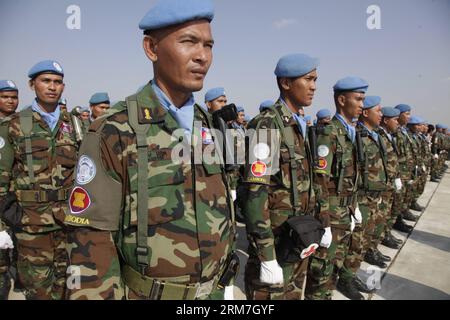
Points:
(204, 289)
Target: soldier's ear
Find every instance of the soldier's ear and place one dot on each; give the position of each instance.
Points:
(150, 45)
(285, 83)
(31, 84)
(341, 99)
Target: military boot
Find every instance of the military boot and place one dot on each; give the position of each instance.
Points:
(408, 215)
(5, 286)
(389, 242)
(398, 241)
(382, 256)
(374, 259)
(416, 207)
(361, 286)
(347, 288)
(435, 179)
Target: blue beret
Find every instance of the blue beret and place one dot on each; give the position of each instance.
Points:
(352, 84)
(99, 97)
(295, 65)
(324, 113)
(308, 118)
(371, 101)
(403, 108)
(266, 105)
(63, 101)
(441, 126)
(8, 85)
(240, 109)
(168, 13)
(47, 66)
(389, 112)
(213, 94)
(415, 120)
(247, 118)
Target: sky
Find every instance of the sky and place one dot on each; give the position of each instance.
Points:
(406, 61)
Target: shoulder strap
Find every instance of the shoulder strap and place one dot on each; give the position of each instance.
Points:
(26, 124)
(142, 249)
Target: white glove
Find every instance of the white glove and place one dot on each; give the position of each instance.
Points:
(353, 225)
(410, 182)
(229, 293)
(424, 168)
(326, 238)
(358, 216)
(398, 184)
(436, 156)
(5, 241)
(233, 195)
(271, 272)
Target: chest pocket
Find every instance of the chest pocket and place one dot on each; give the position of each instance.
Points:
(285, 168)
(165, 185)
(40, 153)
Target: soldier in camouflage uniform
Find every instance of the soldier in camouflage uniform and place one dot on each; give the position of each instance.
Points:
(165, 229)
(9, 100)
(436, 147)
(337, 182)
(389, 125)
(275, 195)
(38, 160)
(372, 166)
(406, 166)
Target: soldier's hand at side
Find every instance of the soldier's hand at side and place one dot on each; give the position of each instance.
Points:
(326, 238)
(353, 225)
(398, 184)
(5, 241)
(271, 272)
(229, 293)
(358, 216)
(436, 156)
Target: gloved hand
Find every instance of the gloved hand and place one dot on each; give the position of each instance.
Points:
(436, 156)
(5, 241)
(233, 195)
(229, 293)
(424, 168)
(326, 238)
(398, 184)
(353, 224)
(271, 272)
(410, 182)
(358, 216)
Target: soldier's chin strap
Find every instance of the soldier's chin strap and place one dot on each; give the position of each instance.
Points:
(141, 130)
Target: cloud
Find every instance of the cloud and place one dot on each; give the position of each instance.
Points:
(284, 23)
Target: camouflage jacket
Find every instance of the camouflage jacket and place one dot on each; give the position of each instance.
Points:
(336, 175)
(373, 169)
(425, 149)
(53, 154)
(190, 225)
(268, 178)
(392, 167)
(405, 154)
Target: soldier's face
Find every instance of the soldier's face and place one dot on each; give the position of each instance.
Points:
(9, 100)
(404, 118)
(241, 118)
(217, 104)
(99, 110)
(353, 104)
(84, 116)
(300, 91)
(325, 121)
(373, 116)
(391, 124)
(182, 56)
(48, 88)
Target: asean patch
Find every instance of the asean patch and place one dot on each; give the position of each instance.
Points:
(259, 168)
(79, 201)
(322, 164)
(86, 170)
(207, 136)
(2, 143)
(323, 151)
(309, 251)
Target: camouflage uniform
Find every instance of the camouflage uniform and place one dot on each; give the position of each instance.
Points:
(336, 179)
(168, 238)
(418, 167)
(392, 170)
(41, 194)
(373, 183)
(425, 153)
(271, 200)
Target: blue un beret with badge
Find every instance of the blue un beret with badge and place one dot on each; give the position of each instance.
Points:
(371, 102)
(214, 93)
(99, 97)
(295, 65)
(389, 112)
(403, 108)
(240, 109)
(267, 104)
(8, 85)
(47, 66)
(351, 84)
(415, 120)
(168, 13)
(324, 113)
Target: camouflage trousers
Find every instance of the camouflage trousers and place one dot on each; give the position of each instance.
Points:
(5, 279)
(434, 167)
(364, 236)
(421, 183)
(294, 279)
(387, 199)
(326, 265)
(42, 264)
